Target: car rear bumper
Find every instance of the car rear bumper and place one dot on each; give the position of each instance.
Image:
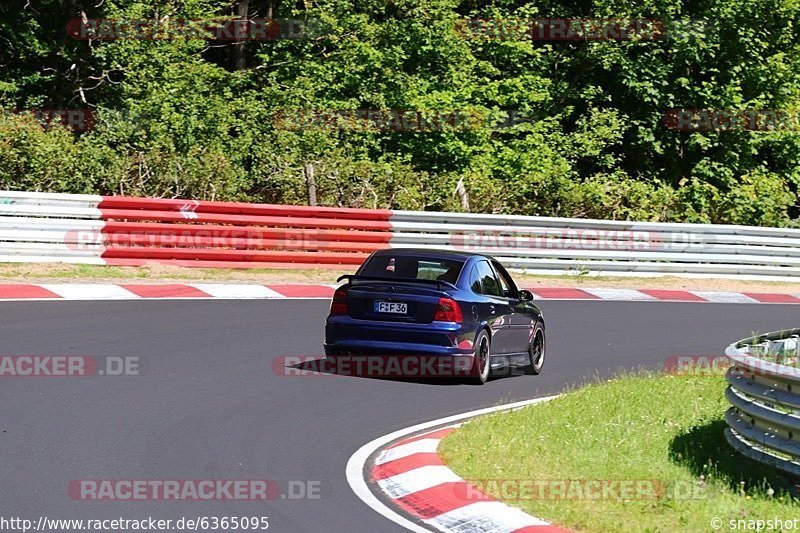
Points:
(345, 335)
(377, 348)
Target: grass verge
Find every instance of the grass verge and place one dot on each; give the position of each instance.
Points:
(664, 430)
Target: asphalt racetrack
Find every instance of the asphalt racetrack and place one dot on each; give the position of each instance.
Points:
(208, 404)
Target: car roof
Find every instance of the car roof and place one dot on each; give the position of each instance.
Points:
(431, 253)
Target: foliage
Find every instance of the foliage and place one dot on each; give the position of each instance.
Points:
(202, 118)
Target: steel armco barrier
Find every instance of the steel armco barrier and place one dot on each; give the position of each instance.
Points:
(764, 391)
(44, 227)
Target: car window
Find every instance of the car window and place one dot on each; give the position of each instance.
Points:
(400, 266)
(505, 283)
(475, 281)
(489, 283)
(435, 269)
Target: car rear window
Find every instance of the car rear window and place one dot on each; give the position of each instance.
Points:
(389, 266)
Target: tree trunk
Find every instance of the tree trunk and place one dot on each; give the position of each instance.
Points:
(311, 184)
(461, 191)
(242, 13)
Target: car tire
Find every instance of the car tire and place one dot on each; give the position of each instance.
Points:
(536, 352)
(481, 362)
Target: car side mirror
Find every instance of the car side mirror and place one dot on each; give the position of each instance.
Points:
(525, 296)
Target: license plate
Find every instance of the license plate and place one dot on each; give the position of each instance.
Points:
(391, 307)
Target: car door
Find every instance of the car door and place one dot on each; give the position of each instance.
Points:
(520, 318)
(494, 307)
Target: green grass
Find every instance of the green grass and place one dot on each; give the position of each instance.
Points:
(640, 427)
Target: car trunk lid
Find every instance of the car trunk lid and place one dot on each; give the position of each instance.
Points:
(393, 301)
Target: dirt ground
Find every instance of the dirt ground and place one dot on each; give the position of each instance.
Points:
(66, 273)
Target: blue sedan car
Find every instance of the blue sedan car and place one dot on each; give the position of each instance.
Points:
(449, 305)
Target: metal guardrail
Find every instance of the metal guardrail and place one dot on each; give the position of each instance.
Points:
(764, 392)
(557, 246)
(116, 230)
(121, 230)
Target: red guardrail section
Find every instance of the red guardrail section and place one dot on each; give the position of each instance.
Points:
(238, 235)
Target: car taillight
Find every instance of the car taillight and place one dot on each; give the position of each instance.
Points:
(339, 303)
(448, 310)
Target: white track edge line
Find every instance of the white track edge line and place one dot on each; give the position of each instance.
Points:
(156, 298)
(357, 462)
(151, 298)
(754, 302)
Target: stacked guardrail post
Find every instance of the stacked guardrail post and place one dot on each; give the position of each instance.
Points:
(764, 392)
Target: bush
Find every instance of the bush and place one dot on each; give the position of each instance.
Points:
(571, 129)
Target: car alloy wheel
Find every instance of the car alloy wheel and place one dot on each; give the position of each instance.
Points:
(536, 352)
(481, 365)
